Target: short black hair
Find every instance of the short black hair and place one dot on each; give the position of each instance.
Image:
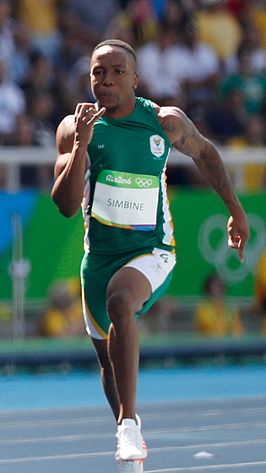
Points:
(118, 43)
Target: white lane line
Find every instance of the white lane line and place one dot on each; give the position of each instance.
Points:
(57, 439)
(43, 458)
(17, 423)
(207, 412)
(78, 438)
(151, 450)
(225, 466)
(50, 423)
(201, 404)
(66, 422)
(237, 425)
(204, 406)
(209, 445)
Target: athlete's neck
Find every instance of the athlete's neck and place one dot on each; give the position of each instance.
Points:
(121, 111)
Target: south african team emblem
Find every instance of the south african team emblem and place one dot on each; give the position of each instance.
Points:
(157, 145)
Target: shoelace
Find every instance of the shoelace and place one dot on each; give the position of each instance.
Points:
(129, 435)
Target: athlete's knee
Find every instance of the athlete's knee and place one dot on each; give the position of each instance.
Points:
(120, 306)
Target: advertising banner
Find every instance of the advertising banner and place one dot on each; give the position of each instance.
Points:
(51, 246)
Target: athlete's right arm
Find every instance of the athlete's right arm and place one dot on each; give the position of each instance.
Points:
(73, 135)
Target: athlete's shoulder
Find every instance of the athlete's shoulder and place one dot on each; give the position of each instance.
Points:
(170, 112)
(65, 134)
(146, 103)
(66, 126)
(65, 131)
(172, 118)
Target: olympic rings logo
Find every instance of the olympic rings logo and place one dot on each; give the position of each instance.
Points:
(143, 182)
(212, 242)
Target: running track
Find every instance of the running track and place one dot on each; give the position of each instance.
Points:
(81, 439)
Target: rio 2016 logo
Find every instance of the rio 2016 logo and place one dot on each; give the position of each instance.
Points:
(212, 242)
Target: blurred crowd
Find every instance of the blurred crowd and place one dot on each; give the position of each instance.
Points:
(206, 56)
(214, 315)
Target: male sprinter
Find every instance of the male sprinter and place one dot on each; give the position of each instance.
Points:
(112, 157)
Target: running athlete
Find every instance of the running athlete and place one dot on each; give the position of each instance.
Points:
(112, 156)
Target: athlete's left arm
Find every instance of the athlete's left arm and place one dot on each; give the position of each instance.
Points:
(185, 137)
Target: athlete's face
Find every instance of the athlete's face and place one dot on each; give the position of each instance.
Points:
(114, 80)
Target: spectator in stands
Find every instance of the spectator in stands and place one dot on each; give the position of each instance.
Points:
(257, 14)
(138, 20)
(37, 129)
(40, 17)
(41, 76)
(24, 135)
(201, 65)
(63, 317)
(239, 8)
(20, 58)
(214, 315)
(253, 137)
(174, 15)
(161, 69)
(251, 42)
(252, 84)
(121, 28)
(218, 27)
(226, 118)
(27, 133)
(41, 110)
(12, 104)
(78, 84)
(69, 56)
(94, 17)
(70, 50)
(6, 32)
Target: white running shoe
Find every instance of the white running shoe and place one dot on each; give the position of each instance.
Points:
(130, 445)
(144, 446)
(130, 466)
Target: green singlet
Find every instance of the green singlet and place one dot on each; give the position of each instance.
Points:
(125, 206)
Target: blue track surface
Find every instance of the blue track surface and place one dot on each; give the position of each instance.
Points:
(200, 420)
(182, 437)
(84, 389)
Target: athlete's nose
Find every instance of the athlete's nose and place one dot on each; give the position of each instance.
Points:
(108, 79)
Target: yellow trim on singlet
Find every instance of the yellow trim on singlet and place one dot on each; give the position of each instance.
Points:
(93, 321)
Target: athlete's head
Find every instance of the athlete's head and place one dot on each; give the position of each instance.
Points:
(114, 76)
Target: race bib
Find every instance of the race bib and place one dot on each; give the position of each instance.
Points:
(126, 200)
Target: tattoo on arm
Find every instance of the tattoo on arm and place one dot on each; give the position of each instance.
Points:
(188, 140)
(212, 168)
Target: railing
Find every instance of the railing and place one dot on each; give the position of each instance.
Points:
(13, 157)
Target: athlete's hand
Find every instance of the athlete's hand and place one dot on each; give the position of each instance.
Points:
(238, 233)
(84, 118)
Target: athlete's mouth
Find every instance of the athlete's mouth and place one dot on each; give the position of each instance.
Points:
(106, 95)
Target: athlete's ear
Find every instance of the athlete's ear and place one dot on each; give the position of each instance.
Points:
(136, 80)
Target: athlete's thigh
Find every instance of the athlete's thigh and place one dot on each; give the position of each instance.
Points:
(144, 277)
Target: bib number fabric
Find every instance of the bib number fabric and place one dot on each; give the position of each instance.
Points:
(126, 200)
